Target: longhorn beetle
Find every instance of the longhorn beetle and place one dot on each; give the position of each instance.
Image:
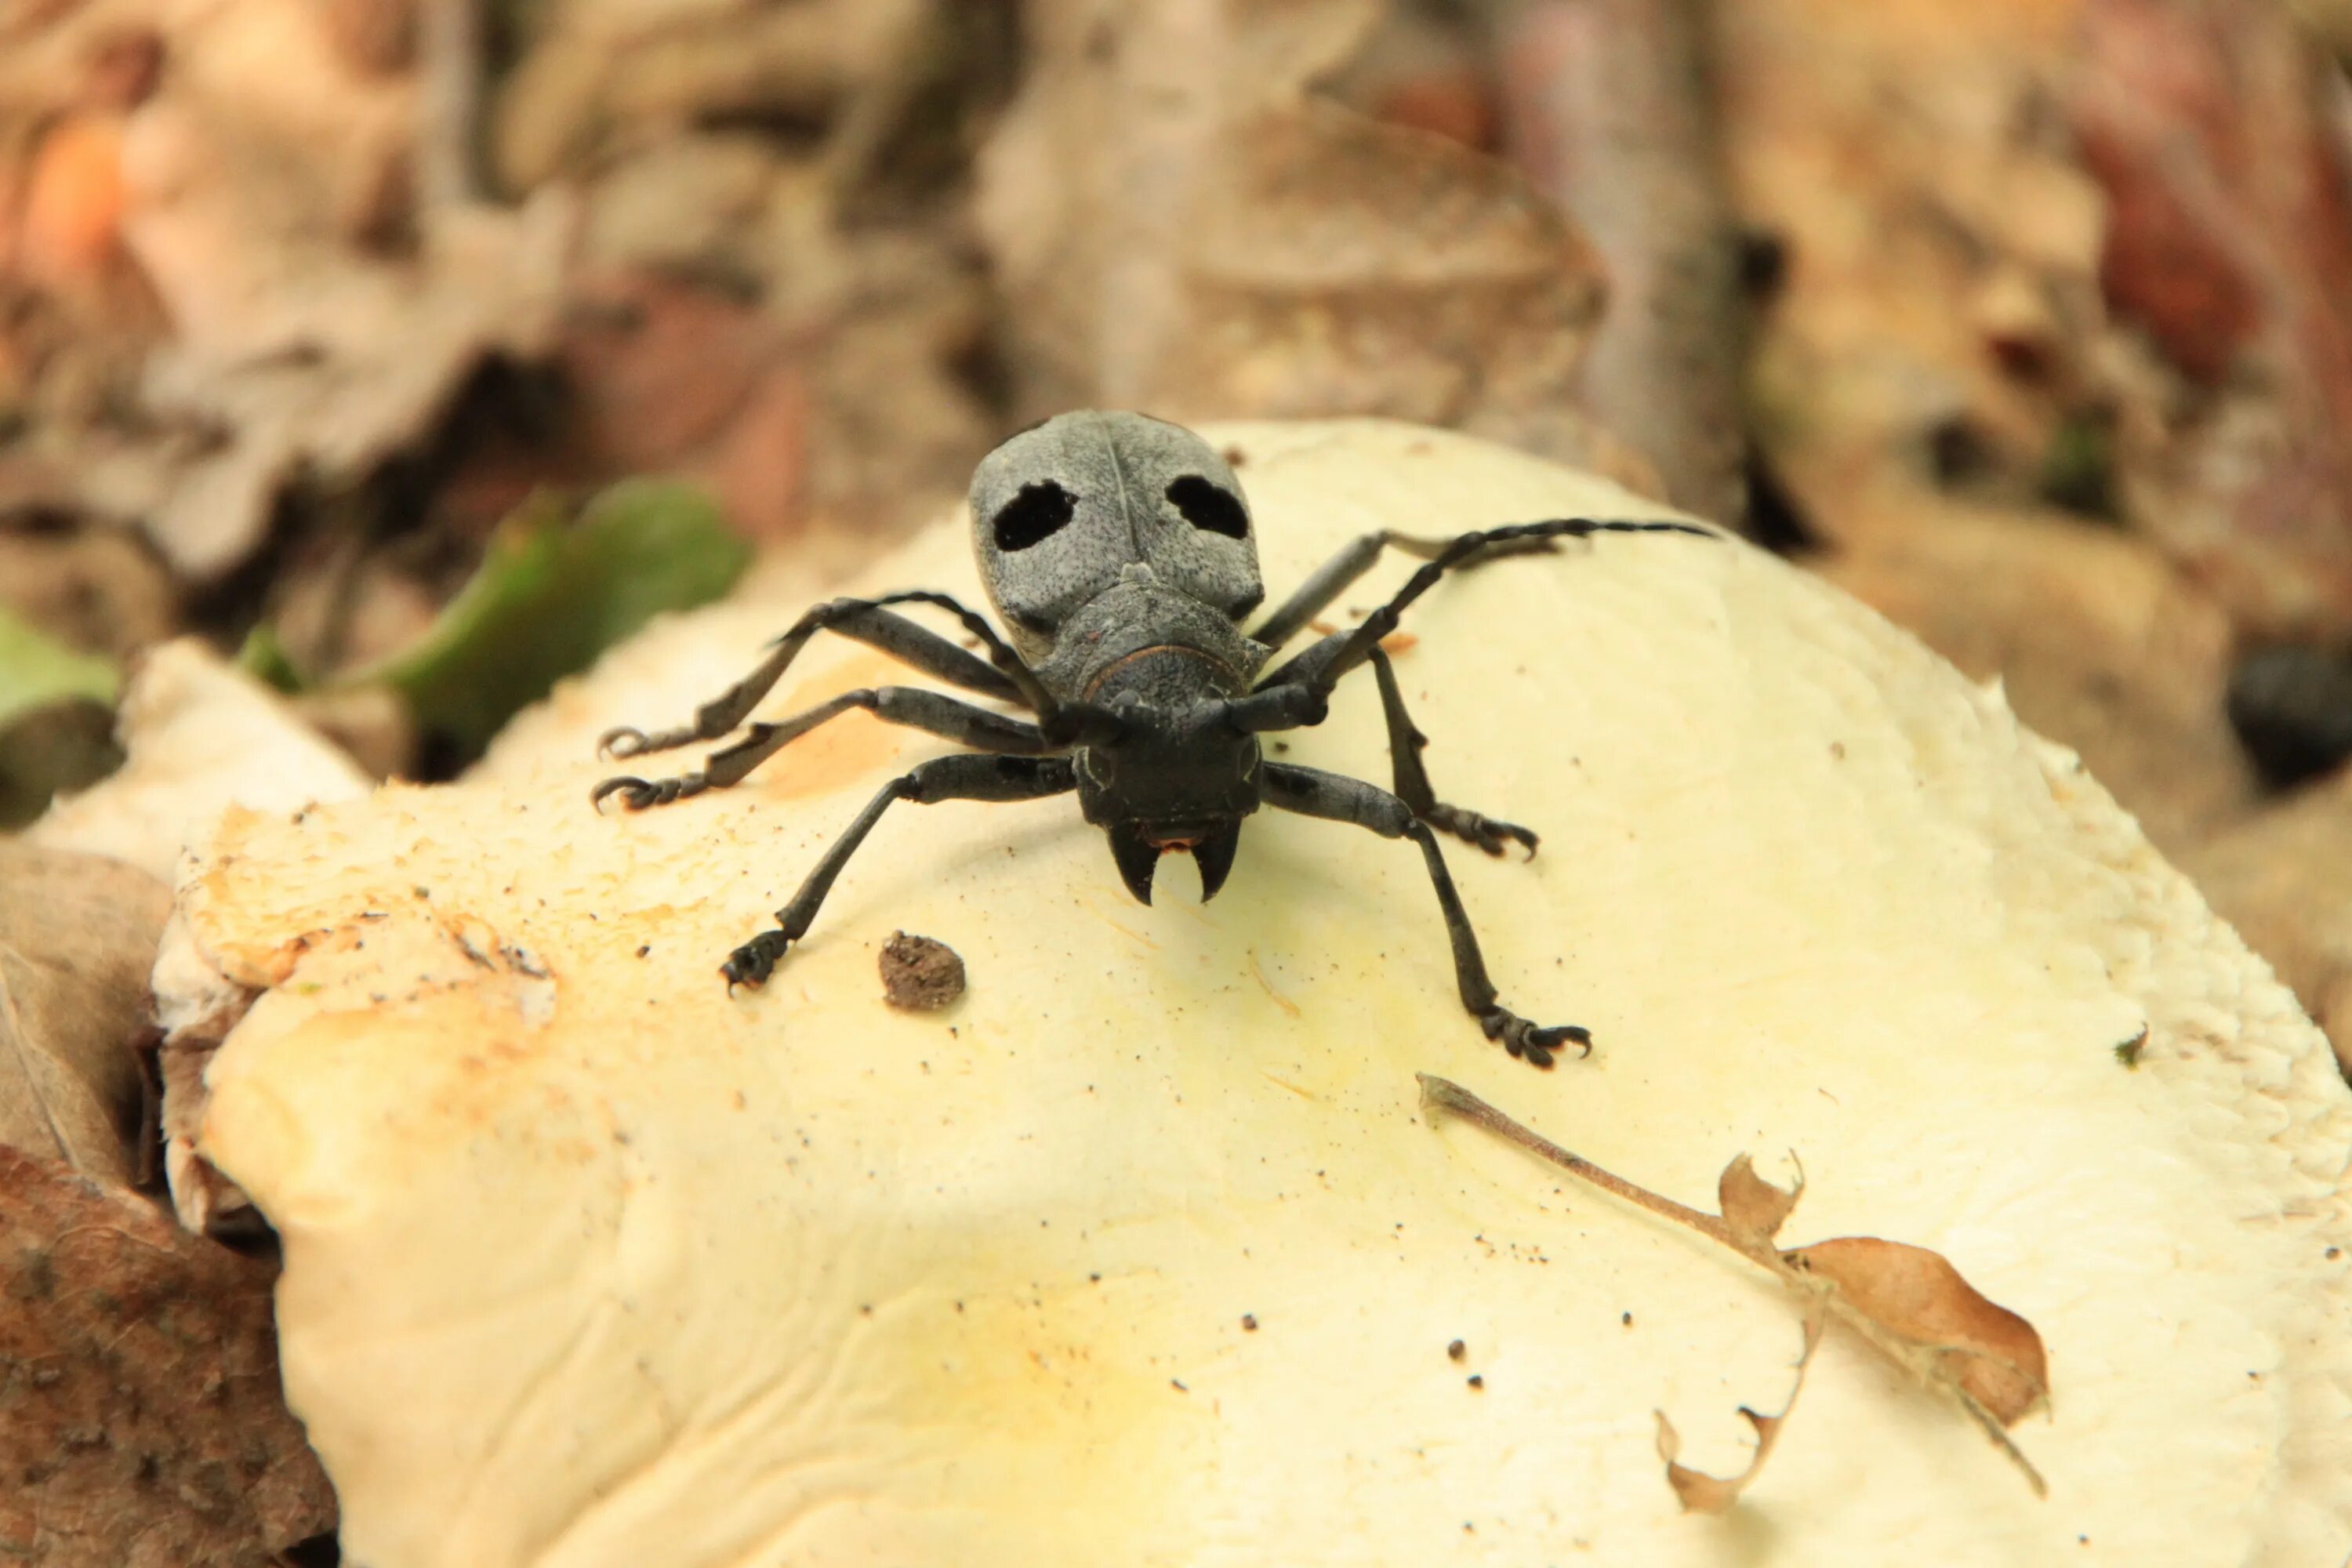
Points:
(1117, 550)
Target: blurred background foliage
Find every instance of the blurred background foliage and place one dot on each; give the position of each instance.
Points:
(341, 332)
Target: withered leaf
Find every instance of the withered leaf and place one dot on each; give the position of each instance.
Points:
(141, 1420)
(77, 936)
(1909, 1303)
(1751, 1204)
(1180, 225)
(1984, 1349)
(1702, 1493)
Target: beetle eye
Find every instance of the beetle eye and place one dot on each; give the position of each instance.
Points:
(1209, 508)
(1039, 511)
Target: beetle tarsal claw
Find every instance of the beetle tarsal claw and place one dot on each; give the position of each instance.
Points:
(636, 793)
(750, 964)
(1488, 833)
(620, 740)
(1532, 1042)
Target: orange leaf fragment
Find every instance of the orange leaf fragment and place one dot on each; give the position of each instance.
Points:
(74, 199)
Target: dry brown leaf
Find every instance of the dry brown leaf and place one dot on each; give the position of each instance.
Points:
(1909, 1303)
(141, 1420)
(1177, 224)
(2215, 133)
(1752, 1204)
(1917, 1297)
(94, 589)
(77, 936)
(1940, 308)
(317, 322)
(1701, 1493)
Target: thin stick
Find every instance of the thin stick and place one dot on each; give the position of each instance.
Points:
(1445, 1095)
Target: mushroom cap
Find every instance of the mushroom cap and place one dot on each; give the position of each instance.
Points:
(1144, 1252)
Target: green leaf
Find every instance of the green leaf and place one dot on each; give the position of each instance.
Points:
(35, 670)
(553, 593)
(263, 658)
(56, 719)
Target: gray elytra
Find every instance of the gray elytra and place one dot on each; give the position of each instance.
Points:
(1121, 552)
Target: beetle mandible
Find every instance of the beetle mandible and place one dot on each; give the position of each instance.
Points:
(1119, 551)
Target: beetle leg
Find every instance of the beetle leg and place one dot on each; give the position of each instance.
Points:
(910, 705)
(1412, 785)
(964, 777)
(868, 621)
(1325, 662)
(1337, 798)
(1329, 581)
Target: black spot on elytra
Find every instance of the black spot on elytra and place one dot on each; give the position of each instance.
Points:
(1209, 508)
(1041, 511)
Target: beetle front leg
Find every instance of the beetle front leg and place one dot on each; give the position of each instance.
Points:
(1412, 785)
(869, 621)
(910, 705)
(1337, 798)
(969, 777)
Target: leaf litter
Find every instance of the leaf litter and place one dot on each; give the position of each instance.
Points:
(77, 935)
(1908, 1304)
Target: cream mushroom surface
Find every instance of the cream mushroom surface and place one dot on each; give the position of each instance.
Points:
(1144, 1251)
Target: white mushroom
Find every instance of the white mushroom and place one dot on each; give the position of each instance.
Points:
(1144, 1252)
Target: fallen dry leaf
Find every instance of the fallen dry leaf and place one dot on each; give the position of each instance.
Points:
(1921, 1301)
(1179, 225)
(2217, 136)
(1937, 314)
(1910, 1303)
(94, 589)
(141, 1424)
(1699, 1493)
(1749, 1203)
(314, 319)
(78, 937)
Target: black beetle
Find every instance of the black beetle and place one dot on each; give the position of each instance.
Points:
(1119, 551)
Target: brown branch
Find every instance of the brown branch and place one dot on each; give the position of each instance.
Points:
(1611, 111)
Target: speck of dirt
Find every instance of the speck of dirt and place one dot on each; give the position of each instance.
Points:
(1627, 1319)
(1457, 1351)
(1476, 1381)
(1235, 456)
(1249, 1323)
(920, 974)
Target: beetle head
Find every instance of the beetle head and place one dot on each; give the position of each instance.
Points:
(1173, 780)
